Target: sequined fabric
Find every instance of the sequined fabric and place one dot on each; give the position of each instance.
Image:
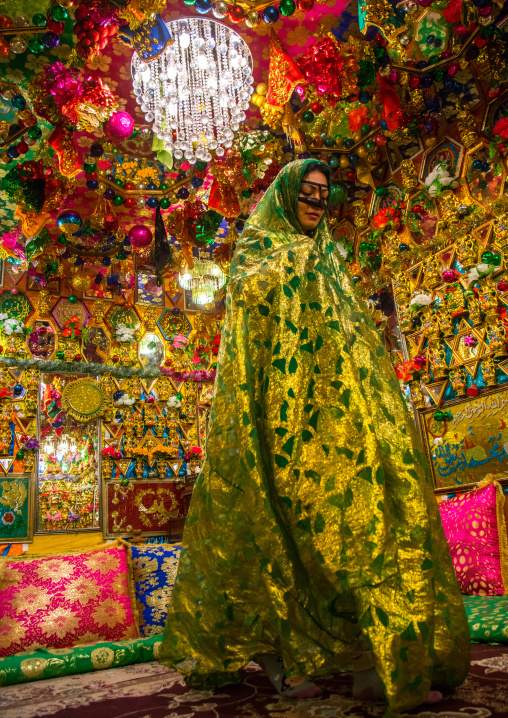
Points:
(313, 520)
(475, 529)
(61, 601)
(154, 570)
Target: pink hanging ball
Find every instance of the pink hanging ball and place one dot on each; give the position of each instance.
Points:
(119, 127)
(140, 236)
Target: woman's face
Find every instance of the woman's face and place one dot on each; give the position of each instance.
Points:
(314, 187)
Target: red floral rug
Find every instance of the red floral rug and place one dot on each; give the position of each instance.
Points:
(152, 691)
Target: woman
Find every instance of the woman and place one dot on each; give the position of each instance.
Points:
(313, 531)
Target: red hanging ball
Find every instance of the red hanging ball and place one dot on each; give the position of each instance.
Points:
(305, 5)
(316, 108)
(54, 26)
(22, 147)
(236, 13)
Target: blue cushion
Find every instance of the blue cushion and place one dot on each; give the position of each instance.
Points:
(154, 568)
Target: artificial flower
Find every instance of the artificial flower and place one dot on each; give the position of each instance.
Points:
(451, 13)
(501, 127)
(125, 400)
(123, 333)
(174, 402)
(438, 179)
(12, 326)
(8, 518)
(421, 300)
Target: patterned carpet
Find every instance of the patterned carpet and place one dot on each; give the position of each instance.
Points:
(152, 691)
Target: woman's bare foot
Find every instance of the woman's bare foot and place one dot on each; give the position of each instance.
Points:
(367, 686)
(287, 687)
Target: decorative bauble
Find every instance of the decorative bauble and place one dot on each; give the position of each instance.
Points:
(287, 7)
(51, 40)
(39, 20)
(270, 15)
(59, 13)
(140, 236)
(73, 299)
(18, 102)
(253, 19)
(203, 6)
(69, 221)
(305, 5)
(220, 9)
(236, 13)
(152, 202)
(473, 390)
(262, 89)
(117, 200)
(338, 193)
(308, 116)
(119, 127)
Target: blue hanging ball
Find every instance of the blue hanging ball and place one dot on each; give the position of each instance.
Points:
(117, 395)
(458, 87)
(478, 165)
(203, 6)
(151, 186)
(486, 167)
(438, 42)
(92, 184)
(349, 143)
(364, 97)
(152, 202)
(182, 193)
(383, 124)
(106, 261)
(270, 15)
(426, 81)
(196, 182)
(18, 390)
(403, 247)
(353, 159)
(12, 152)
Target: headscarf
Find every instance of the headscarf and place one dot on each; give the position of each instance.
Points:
(277, 211)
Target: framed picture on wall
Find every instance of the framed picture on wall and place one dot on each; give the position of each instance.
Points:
(474, 443)
(148, 292)
(16, 508)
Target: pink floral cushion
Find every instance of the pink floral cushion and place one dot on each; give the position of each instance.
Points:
(61, 601)
(475, 529)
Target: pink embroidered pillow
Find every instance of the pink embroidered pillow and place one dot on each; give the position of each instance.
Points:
(60, 601)
(476, 532)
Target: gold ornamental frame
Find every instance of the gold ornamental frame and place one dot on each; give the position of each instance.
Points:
(84, 400)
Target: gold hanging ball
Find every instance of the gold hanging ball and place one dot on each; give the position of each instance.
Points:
(361, 152)
(261, 100)
(357, 136)
(300, 149)
(253, 19)
(262, 88)
(254, 98)
(344, 162)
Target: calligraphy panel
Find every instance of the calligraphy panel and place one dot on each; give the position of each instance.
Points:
(474, 443)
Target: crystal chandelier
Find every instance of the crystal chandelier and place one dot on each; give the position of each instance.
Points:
(203, 280)
(196, 92)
